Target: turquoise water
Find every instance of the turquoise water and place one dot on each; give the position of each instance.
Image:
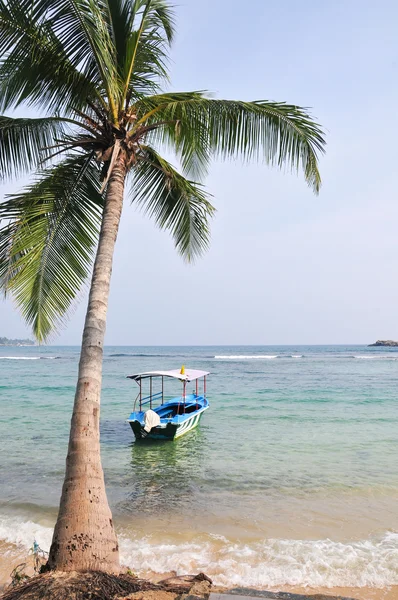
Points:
(292, 469)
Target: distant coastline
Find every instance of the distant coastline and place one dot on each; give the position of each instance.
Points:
(6, 342)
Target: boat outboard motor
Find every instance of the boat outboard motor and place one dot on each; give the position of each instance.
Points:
(151, 419)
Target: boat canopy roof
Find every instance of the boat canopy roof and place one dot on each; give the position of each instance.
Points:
(188, 375)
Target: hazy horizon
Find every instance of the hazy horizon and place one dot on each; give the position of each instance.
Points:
(237, 345)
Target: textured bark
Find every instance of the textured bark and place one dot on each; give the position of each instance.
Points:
(84, 536)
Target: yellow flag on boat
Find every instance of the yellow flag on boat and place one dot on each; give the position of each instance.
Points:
(182, 372)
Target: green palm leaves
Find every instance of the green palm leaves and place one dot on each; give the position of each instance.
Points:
(22, 142)
(177, 204)
(201, 128)
(96, 68)
(46, 248)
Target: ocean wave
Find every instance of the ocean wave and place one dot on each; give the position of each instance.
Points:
(20, 357)
(318, 563)
(255, 356)
(268, 563)
(380, 357)
(140, 355)
(22, 533)
(246, 357)
(29, 357)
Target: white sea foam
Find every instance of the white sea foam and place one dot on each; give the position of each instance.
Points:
(27, 357)
(380, 357)
(255, 356)
(246, 357)
(19, 532)
(272, 562)
(19, 357)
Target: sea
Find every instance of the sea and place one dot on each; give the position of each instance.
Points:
(291, 479)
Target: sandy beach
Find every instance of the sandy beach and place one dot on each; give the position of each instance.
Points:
(13, 555)
(10, 558)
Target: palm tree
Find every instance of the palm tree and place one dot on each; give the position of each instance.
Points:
(94, 70)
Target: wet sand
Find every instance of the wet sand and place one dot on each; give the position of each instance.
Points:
(11, 557)
(364, 593)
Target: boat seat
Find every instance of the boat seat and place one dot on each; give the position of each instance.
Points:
(190, 409)
(177, 410)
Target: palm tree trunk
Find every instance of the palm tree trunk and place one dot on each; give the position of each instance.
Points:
(84, 537)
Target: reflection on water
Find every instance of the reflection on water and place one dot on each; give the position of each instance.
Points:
(164, 474)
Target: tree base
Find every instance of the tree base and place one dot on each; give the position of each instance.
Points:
(96, 585)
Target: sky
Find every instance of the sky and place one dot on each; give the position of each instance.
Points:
(284, 266)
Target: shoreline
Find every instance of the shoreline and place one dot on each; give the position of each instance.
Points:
(364, 569)
(12, 555)
(351, 593)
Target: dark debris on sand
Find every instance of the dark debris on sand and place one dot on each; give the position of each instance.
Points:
(95, 585)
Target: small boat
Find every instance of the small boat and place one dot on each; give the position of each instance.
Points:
(168, 419)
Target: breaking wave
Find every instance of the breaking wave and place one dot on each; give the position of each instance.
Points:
(380, 357)
(141, 355)
(29, 357)
(319, 563)
(22, 533)
(19, 357)
(246, 357)
(272, 562)
(256, 356)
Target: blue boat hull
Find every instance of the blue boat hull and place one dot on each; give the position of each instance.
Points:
(173, 421)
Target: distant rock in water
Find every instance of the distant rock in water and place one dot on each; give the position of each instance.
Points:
(384, 343)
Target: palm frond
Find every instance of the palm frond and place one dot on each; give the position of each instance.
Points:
(23, 143)
(47, 239)
(177, 204)
(161, 18)
(151, 31)
(35, 67)
(121, 14)
(83, 29)
(200, 128)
